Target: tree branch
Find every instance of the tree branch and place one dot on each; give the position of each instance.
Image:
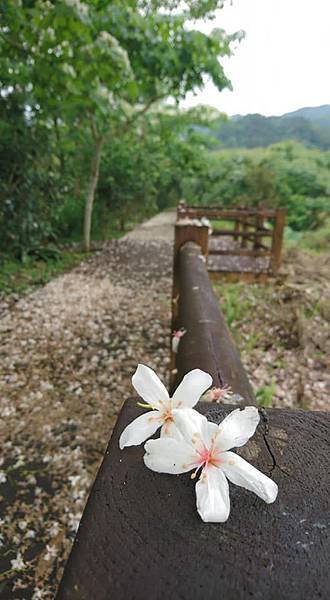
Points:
(13, 43)
(94, 128)
(125, 126)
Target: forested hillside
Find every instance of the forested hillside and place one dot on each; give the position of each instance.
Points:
(316, 114)
(309, 126)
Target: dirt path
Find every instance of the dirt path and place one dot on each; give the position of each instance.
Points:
(68, 351)
(160, 227)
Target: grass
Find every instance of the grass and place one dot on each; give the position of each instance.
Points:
(100, 233)
(233, 305)
(265, 394)
(223, 224)
(237, 302)
(314, 241)
(17, 277)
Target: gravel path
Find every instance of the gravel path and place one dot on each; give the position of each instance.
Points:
(68, 352)
(160, 227)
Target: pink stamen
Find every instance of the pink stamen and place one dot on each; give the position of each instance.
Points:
(208, 457)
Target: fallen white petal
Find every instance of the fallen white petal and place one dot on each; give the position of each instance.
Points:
(196, 430)
(140, 429)
(168, 455)
(149, 387)
(240, 472)
(212, 496)
(191, 388)
(237, 428)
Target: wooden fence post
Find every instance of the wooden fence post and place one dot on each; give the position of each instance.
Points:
(277, 240)
(260, 219)
(191, 233)
(245, 229)
(236, 229)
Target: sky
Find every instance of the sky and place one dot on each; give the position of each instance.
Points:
(282, 64)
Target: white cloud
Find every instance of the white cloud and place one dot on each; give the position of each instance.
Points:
(283, 63)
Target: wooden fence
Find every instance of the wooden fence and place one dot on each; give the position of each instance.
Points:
(258, 232)
(140, 537)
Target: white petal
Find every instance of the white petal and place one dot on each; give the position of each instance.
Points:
(237, 428)
(212, 496)
(140, 429)
(196, 430)
(149, 387)
(240, 472)
(168, 455)
(175, 344)
(191, 388)
(169, 429)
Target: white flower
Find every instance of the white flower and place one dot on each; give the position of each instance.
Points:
(3, 477)
(38, 594)
(80, 7)
(74, 479)
(73, 521)
(18, 563)
(30, 534)
(69, 70)
(54, 529)
(176, 337)
(204, 445)
(218, 394)
(8, 411)
(154, 393)
(51, 552)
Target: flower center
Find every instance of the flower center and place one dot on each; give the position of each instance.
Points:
(167, 416)
(209, 456)
(206, 456)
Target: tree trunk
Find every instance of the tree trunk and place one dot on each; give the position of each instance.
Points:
(94, 177)
(122, 222)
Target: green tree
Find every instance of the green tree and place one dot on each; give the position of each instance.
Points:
(98, 66)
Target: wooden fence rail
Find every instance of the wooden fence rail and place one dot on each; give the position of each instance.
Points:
(214, 212)
(248, 228)
(140, 537)
(207, 344)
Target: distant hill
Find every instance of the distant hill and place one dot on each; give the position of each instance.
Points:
(318, 114)
(309, 126)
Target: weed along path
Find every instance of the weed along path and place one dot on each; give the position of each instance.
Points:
(68, 351)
